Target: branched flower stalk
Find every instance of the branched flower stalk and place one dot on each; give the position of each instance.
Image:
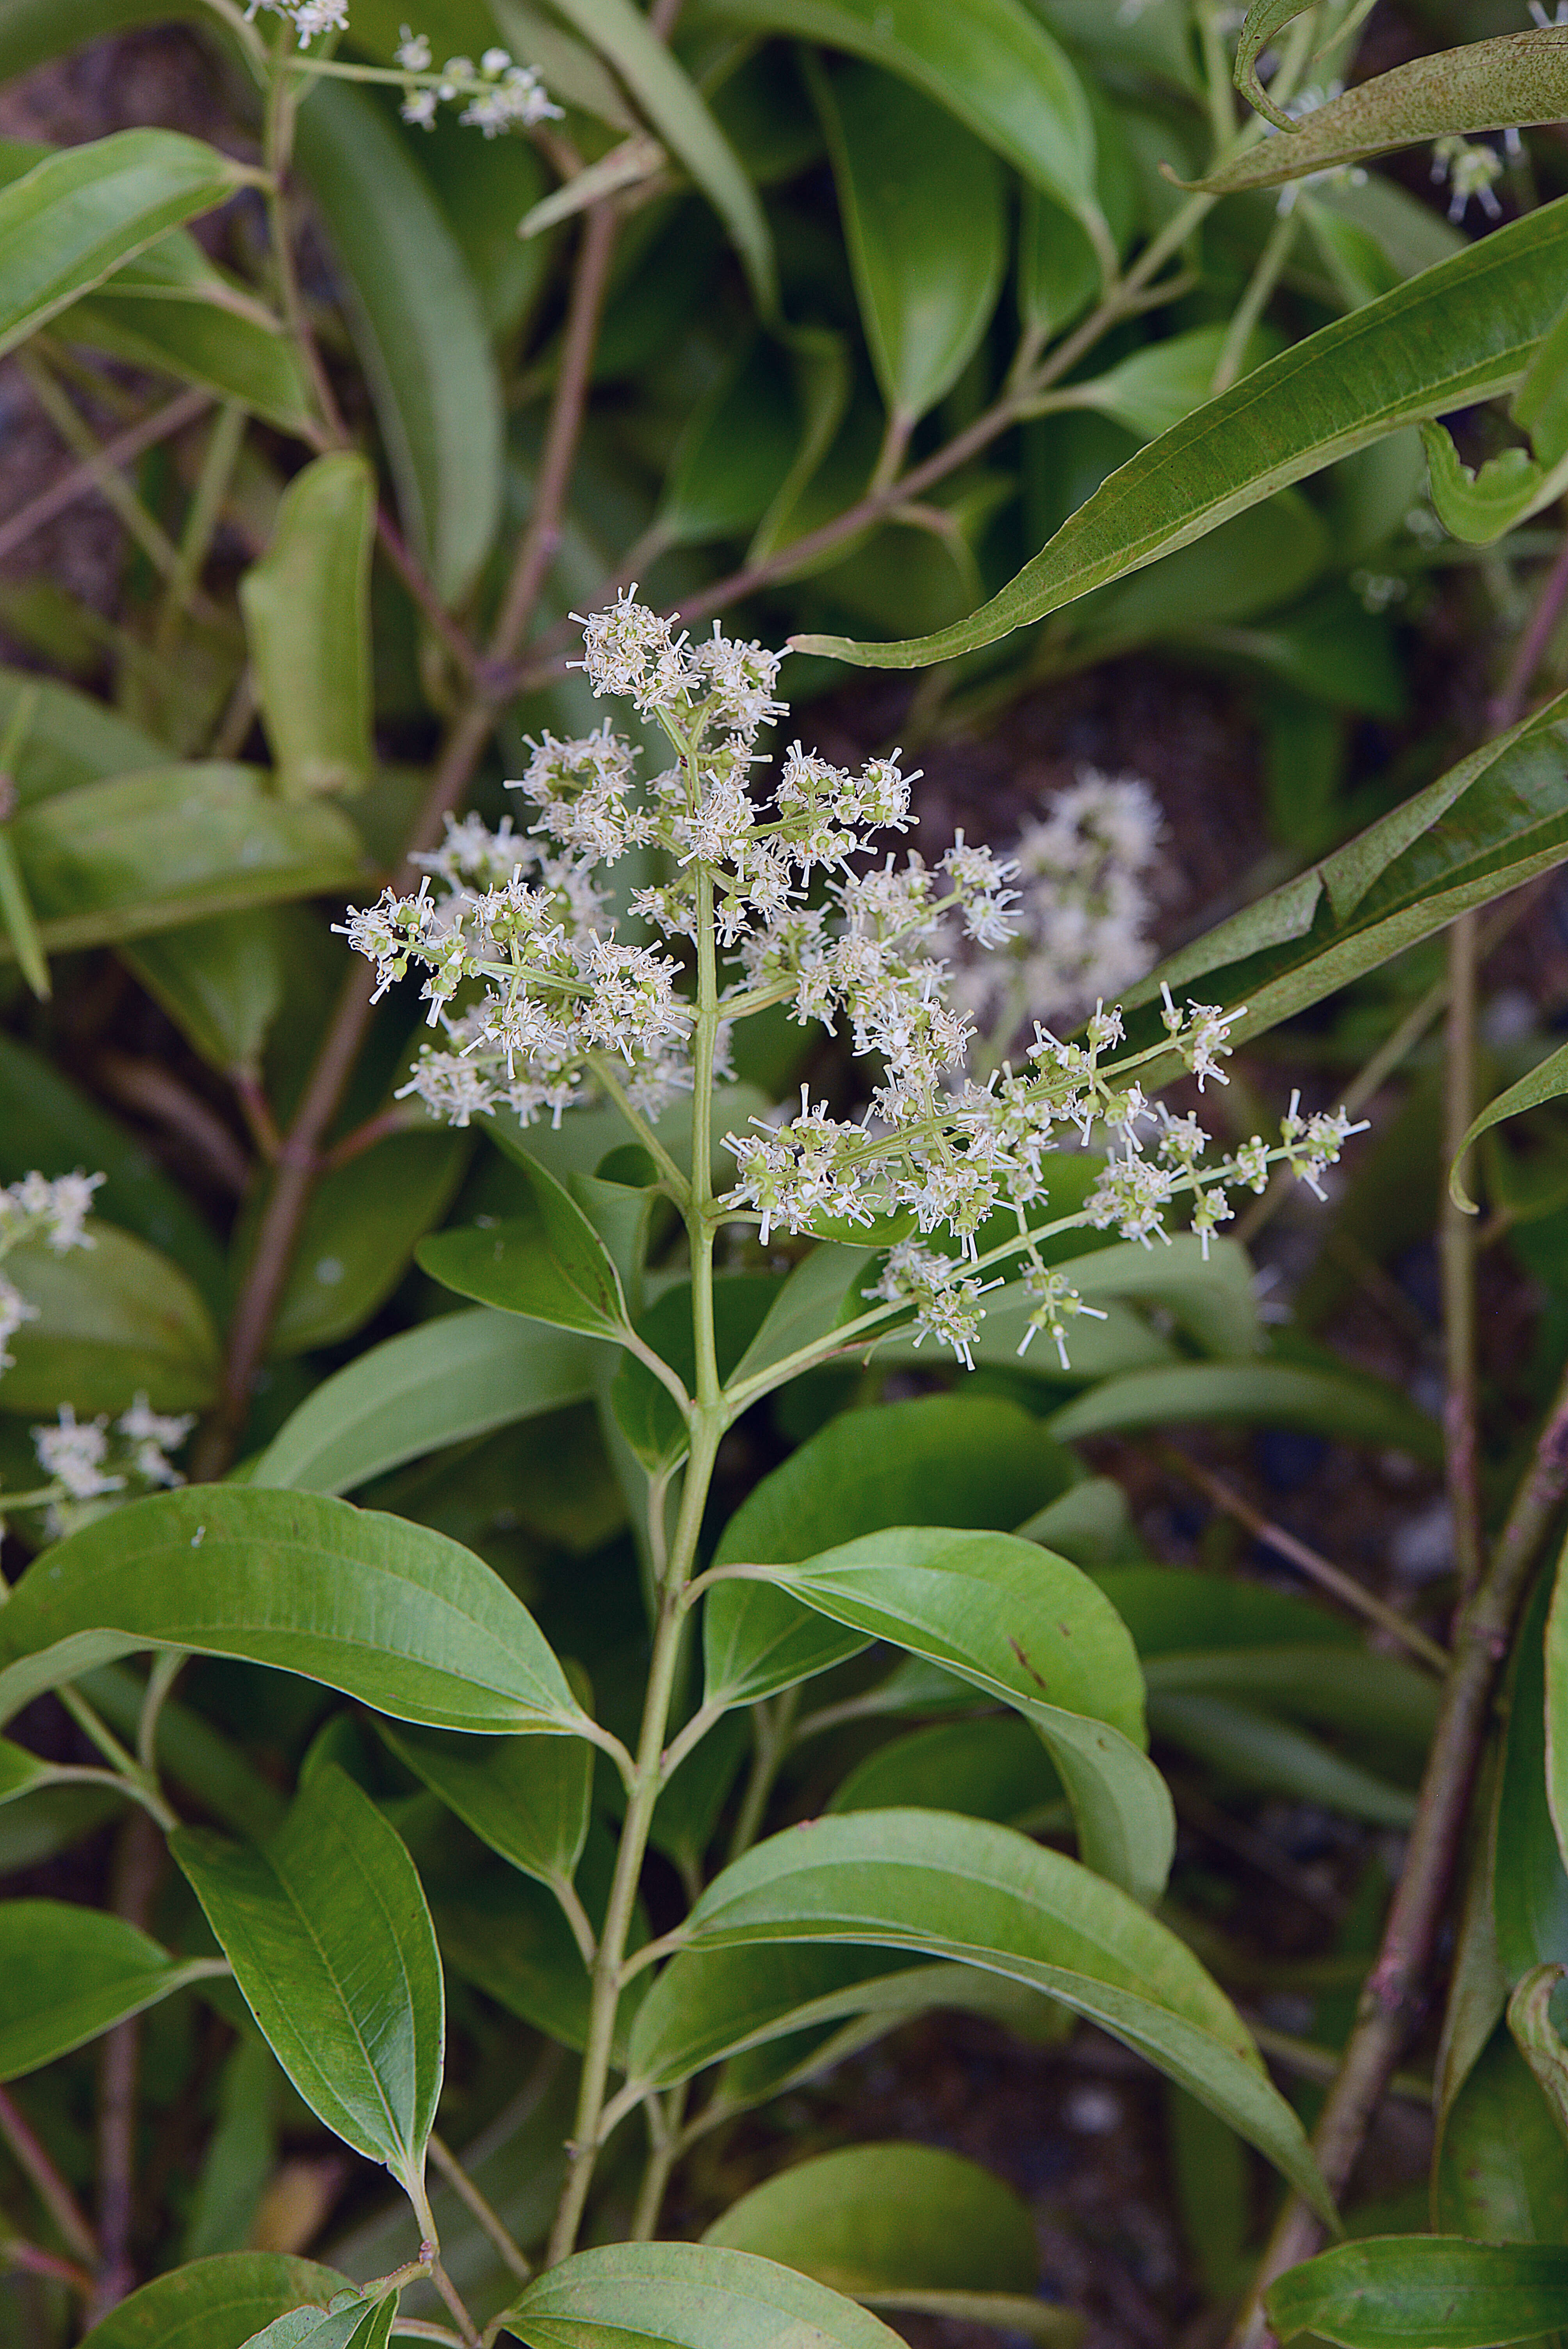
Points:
(777, 897)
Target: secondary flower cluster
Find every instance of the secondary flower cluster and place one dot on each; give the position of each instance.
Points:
(1083, 907)
(90, 1461)
(309, 17)
(500, 96)
(776, 897)
(37, 1209)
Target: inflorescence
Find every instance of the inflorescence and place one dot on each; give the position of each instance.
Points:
(37, 1209)
(778, 898)
(90, 1462)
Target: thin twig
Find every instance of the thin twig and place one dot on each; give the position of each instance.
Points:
(140, 1860)
(1456, 1258)
(16, 2253)
(1391, 1999)
(483, 2212)
(1508, 706)
(422, 594)
(83, 479)
(1328, 1577)
(1321, 2064)
(47, 2184)
(299, 1151)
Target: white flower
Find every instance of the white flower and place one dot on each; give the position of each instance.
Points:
(73, 1454)
(15, 1309)
(412, 52)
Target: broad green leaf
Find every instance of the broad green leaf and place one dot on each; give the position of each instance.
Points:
(1557, 1706)
(457, 1376)
(1548, 1081)
(1530, 1884)
(550, 1267)
(22, 1772)
(1157, 386)
(1155, 37)
(359, 1233)
(1489, 823)
(159, 849)
(736, 452)
(991, 1769)
(1539, 2042)
(308, 622)
(922, 202)
(69, 739)
(1518, 80)
(1414, 2292)
(690, 2295)
(871, 2217)
(1029, 1629)
(326, 1928)
(1271, 1757)
(418, 329)
(970, 1462)
(362, 2325)
(1501, 2170)
(507, 1935)
(229, 351)
(242, 2153)
(67, 1974)
(645, 1409)
(995, 68)
(676, 111)
(1335, 1686)
(1478, 507)
(1459, 333)
(527, 1797)
(220, 982)
(1175, 1612)
(113, 1319)
(973, 1894)
(395, 1615)
(815, 1296)
(68, 224)
(1263, 20)
(1261, 1393)
(215, 2303)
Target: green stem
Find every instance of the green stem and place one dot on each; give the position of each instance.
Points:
(771, 1727)
(1219, 90)
(277, 149)
(1255, 300)
(665, 2146)
(124, 1765)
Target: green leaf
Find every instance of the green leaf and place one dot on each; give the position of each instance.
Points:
(971, 1462)
(308, 622)
(215, 2303)
(1519, 80)
(359, 1233)
(872, 2218)
(735, 453)
(220, 982)
(69, 738)
(68, 224)
(67, 1974)
(995, 68)
(1478, 507)
(974, 1894)
(507, 1935)
(1530, 1884)
(818, 1293)
(210, 341)
(113, 1319)
(155, 849)
(1156, 386)
(1263, 20)
(527, 1797)
(362, 2325)
(393, 1614)
(992, 1769)
(419, 328)
(1029, 1629)
(455, 1377)
(676, 111)
(1270, 1757)
(1539, 2039)
(242, 2153)
(1459, 333)
(1548, 1081)
(1410, 2292)
(645, 1409)
(1557, 1706)
(1276, 1394)
(922, 202)
(326, 1928)
(1502, 2170)
(550, 1267)
(691, 2295)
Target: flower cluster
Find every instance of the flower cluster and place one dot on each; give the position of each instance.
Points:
(497, 94)
(1083, 907)
(36, 1209)
(1470, 170)
(89, 1460)
(781, 896)
(309, 17)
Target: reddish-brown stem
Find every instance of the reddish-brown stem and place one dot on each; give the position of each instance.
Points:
(1319, 1569)
(420, 592)
(298, 1157)
(139, 1859)
(16, 2253)
(82, 480)
(1508, 706)
(47, 2184)
(1391, 1999)
(401, 1118)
